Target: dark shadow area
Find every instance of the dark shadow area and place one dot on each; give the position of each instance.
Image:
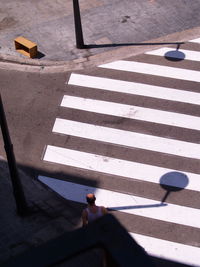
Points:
(102, 240)
(50, 215)
(105, 234)
(173, 182)
(167, 263)
(48, 208)
(137, 207)
(175, 55)
(130, 44)
(40, 55)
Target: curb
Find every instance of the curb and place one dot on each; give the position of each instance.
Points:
(48, 66)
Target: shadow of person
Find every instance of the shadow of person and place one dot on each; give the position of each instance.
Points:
(173, 182)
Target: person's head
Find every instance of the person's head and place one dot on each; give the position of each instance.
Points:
(90, 198)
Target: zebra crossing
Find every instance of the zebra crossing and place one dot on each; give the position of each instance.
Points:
(131, 112)
(119, 112)
(133, 88)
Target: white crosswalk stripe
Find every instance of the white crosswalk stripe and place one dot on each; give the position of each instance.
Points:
(127, 138)
(179, 53)
(114, 166)
(195, 41)
(135, 88)
(132, 112)
(168, 250)
(152, 69)
(168, 213)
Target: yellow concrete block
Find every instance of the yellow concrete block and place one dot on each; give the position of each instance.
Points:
(25, 47)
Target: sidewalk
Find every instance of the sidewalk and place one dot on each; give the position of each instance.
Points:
(117, 23)
(51, 215)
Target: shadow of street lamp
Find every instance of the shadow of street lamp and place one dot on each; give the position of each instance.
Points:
(175, 55)
(173, 182)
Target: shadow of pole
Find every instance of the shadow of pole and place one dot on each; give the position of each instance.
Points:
(137, 207)
(173, 182)
(131, 44)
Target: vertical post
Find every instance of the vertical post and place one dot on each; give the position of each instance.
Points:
(22, 207)
(78, 26)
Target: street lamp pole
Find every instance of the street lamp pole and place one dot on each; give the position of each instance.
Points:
(22, 207)
(78, 26)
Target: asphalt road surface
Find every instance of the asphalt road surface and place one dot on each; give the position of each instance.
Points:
(129, 132)
(126, 130)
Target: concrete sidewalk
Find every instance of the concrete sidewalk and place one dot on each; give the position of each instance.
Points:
(117, 23)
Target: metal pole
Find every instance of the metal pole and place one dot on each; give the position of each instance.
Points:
(78, 26)
(22, 207)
